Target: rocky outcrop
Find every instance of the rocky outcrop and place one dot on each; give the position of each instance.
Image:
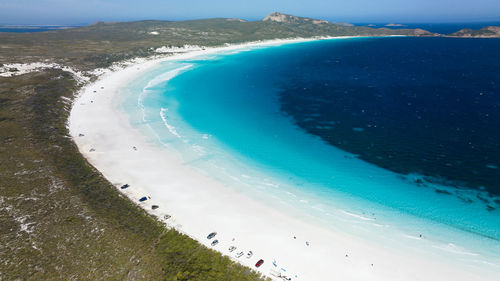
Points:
(284, 18)
(394, 25)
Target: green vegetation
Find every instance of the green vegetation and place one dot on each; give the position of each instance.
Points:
(485, 32)
(61, 219)
(188, 260)
(101, 44)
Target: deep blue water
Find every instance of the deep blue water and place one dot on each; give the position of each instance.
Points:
(359, 133)
(429, 106)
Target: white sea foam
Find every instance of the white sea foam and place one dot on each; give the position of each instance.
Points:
(164, 77)
(198, 148)
(271, 184)
(450, 247)
(171, 128)
(413, 237)
(356, 216)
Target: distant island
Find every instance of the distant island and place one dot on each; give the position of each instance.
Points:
(485, 32)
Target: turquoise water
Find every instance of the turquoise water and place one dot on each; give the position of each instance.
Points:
(223, 114)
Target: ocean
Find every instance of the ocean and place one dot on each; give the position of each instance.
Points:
(433, 111)
(393, 138)
(33, 28)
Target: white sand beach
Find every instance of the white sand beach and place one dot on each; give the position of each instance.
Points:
(199, 204)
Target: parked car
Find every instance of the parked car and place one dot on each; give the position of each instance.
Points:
(143, 199)
(239, 254)
(124, 186)
(232, 248)
(215, 242)
(249, 254)
(211, 235)
(259, 263)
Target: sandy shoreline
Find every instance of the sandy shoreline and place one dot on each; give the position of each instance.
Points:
(199, 205)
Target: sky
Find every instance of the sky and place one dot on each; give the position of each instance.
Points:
(79, 12)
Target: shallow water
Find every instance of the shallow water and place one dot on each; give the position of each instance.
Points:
(240, 118)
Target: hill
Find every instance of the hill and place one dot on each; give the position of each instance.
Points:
(284, 18)
(485, 32)
(101, 44)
